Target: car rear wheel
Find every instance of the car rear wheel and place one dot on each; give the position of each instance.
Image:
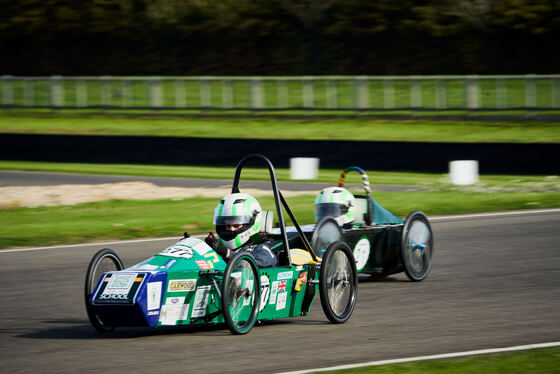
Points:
(417, 246)
(102, 262)
(241, 293)
(338, 282)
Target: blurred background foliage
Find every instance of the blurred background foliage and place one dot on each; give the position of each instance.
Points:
(278, 37)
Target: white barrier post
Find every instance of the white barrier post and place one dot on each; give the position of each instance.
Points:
(463, 172)
(304, 168)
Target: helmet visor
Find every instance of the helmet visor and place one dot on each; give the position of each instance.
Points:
(329, 210)
(232, 220)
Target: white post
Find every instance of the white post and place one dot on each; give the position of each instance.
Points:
(415, 93)
(256, 93)
(57, 92)
(362, 97)
(472, 92)
(441, 95)
(307, 92)
(304, 168)
(388, 94)
(463, 172)
(155, 92)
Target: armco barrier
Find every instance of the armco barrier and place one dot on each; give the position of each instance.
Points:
(433, 157)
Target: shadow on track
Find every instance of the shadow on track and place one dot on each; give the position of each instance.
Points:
(81, 329)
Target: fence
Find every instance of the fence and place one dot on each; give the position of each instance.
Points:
(527, 93)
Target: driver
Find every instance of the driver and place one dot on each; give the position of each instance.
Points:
(238, 221)
(336, 202)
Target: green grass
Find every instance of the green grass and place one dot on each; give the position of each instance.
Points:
(126, 219)
(330, 176)
(534, 361)
(468, 131)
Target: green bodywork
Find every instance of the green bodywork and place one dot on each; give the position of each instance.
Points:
(192, 291)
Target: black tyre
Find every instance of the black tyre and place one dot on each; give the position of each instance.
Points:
(417, 246)
(326, 232)
(338, 282)
(241, 293)
(102, 262)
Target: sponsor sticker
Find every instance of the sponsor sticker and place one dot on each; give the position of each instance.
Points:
(301, 280)
(154, 313)
(174, 310)
(204, 265)
(120, 283)
(181, 285)
(197, 245)
(273, 292)
(154, 295)
(281, 301)
(178, 250)
(265, 291)
(361, 253)
(285, 275)
(145, 267)
(168, 264)
(200, 301)
(119, 288)
(213, 257)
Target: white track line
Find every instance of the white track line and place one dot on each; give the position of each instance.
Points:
(499, 214)
(432, 357)
(101, 244)
(439, 218)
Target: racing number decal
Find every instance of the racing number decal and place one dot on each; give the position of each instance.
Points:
(265, 291)
(361, 253)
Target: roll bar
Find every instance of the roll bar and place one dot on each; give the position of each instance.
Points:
(365, 178)
(278, 201)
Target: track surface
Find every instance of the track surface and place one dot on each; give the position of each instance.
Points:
(495, 283)
(32, 178)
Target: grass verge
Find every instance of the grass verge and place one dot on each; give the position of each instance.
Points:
(329, 176)
(127, 219)
(417, 130)
(535, 361)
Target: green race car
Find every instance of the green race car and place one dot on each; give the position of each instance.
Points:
(189, 283)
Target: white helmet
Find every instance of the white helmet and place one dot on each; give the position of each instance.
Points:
(336, 202)
(237, 209)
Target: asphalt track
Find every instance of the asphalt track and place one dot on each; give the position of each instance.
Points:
(32, 178)
(495, 282)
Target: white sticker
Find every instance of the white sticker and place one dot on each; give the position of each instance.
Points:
(361, 253)
(119, 284)
(273, 292)
(154, 295)
(178, 250)
(200, 301)
(174, 310)
(285, 275)
(144, 267)
(265, 291)
(181, 285)
(281, 302)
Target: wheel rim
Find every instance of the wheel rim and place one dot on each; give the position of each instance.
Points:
(339, 283)
(105, 265)
(241, 295)
(418, 251)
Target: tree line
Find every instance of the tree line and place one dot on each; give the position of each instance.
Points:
(278, 37)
